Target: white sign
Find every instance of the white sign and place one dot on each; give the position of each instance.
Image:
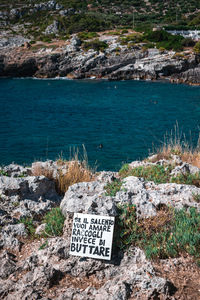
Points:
(92, 236)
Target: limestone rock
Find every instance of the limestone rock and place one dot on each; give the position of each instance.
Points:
(185, 168)
(40, 229)
(88, 197)
(14, 170)
(31, 187)
(8, 264)
(149, 197)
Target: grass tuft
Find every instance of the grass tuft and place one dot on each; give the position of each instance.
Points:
(30, 227)
(69, 172)
(41, 171)
(54, 220)
(76, 172)
(175, 143)
(113, 187)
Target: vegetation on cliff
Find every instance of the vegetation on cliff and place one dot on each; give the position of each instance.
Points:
(75, 16)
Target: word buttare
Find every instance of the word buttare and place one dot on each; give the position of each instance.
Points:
(92, 236)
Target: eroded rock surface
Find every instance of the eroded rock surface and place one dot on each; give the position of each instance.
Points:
(44, 269)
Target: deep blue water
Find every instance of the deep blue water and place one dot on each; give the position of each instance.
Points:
(39, 119)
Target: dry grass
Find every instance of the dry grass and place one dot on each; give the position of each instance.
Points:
(175, 144)
(68, 172)
(76, 172)
(41, 171)
(155, 224)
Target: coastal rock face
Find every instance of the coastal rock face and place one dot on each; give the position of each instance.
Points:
(190, 76)
(71, 60)
(12, 42)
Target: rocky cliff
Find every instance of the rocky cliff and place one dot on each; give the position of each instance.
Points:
(116, 62)
(42, 268)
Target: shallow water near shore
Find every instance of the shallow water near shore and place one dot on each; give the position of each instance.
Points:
(40, 119)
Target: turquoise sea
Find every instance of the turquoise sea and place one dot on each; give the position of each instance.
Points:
(42, 119)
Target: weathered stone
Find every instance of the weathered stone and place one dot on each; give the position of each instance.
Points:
(88, 197)
(16, 170)
(40, 229)
(149, 197)
(42, 277)
(31, 187)
(185, 168)
(7, 263)
(15, 230)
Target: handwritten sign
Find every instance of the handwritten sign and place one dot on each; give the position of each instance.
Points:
(92, 236)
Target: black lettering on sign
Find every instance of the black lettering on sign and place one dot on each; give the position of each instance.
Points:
(77, 225)
(91, 248)
(78, 220)
(84, 248)
(107, 252)
(102, 242)
(74, 232)
(72, 247)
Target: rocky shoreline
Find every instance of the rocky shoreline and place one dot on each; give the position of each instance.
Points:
(117, 62)
(41, 267)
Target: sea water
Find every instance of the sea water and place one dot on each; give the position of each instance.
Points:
(116, 121)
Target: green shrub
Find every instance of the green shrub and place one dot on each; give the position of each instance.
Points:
(54, 222)
(133, 37)
(3, 173)
(196, 197)
(168, 234)
(197, 48)
(178, 56)
(191, 179)
(126, 229)
(148, 46)
(113, 187)
(96, 44)
(161, 49)
(45, 39)
(165, 40)
(180, 236)
(28, 222)
(124, 170)
(113, 33)
(130, 45)
(87, 35)
(117, 49)
(65, 37)
(156, 173)
(44, 245)
(124, 31)
(188, 42)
